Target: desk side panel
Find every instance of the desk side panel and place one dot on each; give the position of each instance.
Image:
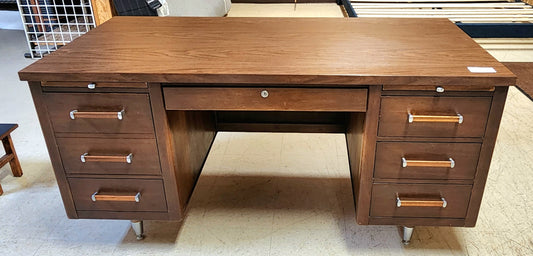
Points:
(361, 140)
(193, 133)
(53, 149)
(184, 139)
(485, 156)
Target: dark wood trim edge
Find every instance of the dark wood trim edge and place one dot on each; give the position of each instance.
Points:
(165, 147)
(493, 125)
(53, 150)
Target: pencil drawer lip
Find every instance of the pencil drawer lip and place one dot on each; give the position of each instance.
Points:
(442, 117)
(106, 113)
(266, 99)
(109, 156)
(392, 160)
(453, 200)
(90, 85)
(437, 88)
(118, 194)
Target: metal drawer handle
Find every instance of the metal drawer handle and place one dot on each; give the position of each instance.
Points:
(435, 119)
(96, 197)
(425, 163)
(421, 203)
(99, 115)
(91, 86)
(85, 157)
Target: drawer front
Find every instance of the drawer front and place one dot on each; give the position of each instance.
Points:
(118, 194)
(434, 116)
(420, 200)
(265, 99)
(93, 85)
(99, 112)
(109, 156)
(410, 160)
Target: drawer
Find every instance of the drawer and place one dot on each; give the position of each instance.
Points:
(109, 156)
(420, 200)
(265, 99)
(99, 112)
(419, 160)
(433, 116)
(118, 194)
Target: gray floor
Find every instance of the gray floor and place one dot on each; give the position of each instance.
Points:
(10, 20)
(259, 194)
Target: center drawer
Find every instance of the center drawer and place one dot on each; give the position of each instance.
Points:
(266, 99)
(118, 194)
(424, 160)
(99, 112)
(109, 156)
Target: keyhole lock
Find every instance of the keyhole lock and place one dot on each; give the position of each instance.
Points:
(264, 93)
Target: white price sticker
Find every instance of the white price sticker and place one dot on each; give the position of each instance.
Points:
(482, 69)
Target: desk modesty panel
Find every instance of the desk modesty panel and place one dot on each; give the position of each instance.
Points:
(143, 98)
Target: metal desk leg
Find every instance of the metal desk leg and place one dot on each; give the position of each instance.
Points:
(137, 226)
(407, 233)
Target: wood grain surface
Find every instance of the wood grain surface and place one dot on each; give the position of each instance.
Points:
(137, 113)
(384, 200)
(389, 165)
(152, 194)
(334, 51)
(395, 109)
(145, 159)
(275, 99)
(53, 150)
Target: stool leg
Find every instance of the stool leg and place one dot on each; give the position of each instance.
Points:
(10, 149)
(137, 226)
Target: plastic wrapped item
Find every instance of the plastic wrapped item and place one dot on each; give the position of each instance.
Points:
(163, 10)
(133, 8)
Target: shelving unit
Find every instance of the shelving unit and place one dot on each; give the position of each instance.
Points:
(478, 18)
(50, 24)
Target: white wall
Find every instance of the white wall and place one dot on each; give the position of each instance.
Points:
(199, 7)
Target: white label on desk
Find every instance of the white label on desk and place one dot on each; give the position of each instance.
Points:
(482, 69)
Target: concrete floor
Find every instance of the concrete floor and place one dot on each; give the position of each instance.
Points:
(259, 194)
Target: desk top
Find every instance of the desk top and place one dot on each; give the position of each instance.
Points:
(334, 51)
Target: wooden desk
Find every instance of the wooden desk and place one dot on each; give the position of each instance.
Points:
(129, 110)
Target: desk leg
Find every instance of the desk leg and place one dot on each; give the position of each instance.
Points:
(407, 233)
(137, 226)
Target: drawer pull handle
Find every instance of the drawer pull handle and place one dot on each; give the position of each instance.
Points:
(96, 197)
(435, 119)
(264, 94)
(91, 86)
(421, 203)
(425, 163)
(85, 157)
(100, 115)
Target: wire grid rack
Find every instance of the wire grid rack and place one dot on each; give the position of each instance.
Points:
(50, 24)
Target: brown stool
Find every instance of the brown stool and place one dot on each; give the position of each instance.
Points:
(10, 156)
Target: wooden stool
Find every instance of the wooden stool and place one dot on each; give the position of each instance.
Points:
(10, 156)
